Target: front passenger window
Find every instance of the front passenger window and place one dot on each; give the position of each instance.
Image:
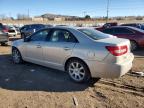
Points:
(108, 31)
(40, 36)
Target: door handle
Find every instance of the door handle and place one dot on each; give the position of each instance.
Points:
(38, 46)
(67, 48)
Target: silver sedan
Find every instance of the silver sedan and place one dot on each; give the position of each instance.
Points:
(82, 52)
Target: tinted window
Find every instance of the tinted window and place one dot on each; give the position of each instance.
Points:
(1, 26)
(62, 36)
(108, 31)
(122, 31)
(40, 36)
(142, 27)
(26, 27)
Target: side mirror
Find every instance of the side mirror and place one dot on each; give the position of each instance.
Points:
(26, 38)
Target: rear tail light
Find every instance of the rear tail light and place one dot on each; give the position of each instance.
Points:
(5, 30)
(117, 50)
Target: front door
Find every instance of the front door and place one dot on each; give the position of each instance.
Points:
(34, 47)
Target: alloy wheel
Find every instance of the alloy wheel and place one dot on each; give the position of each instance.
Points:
(16, 56)
(76, 71)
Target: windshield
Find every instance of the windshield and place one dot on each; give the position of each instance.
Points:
(94, 34)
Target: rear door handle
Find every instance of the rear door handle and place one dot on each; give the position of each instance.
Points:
(38, 46)
(67, 48)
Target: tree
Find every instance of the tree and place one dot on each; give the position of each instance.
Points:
(139, 18)
(87, 17)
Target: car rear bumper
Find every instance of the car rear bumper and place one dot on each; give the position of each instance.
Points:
(4, 40)
(110, 70)
(12, 34)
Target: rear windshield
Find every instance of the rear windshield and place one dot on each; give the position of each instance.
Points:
(94, 34)
(137, 29)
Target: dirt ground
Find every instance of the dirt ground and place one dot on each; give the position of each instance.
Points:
(33, 86)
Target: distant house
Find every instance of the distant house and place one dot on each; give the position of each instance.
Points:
(59, 19)
(39, 19)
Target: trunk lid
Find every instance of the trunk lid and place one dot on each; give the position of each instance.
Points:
(118, 49)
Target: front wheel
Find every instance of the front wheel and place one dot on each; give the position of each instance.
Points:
(78, 71)
(16, 56)
(22, 35)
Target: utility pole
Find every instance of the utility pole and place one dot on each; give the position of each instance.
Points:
(84, 13)
(28, 13)
(107, 11)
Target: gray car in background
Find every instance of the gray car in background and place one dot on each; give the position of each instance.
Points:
(28, 30)
(3, 36)
(82, 52)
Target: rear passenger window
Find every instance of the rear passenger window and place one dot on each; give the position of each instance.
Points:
(122, 31)
(62, 36)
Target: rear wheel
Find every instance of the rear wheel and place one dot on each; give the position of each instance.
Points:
(78, 71)
(16, 56)
(134, 45)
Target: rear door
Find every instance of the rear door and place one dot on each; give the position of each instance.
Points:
(59, 47)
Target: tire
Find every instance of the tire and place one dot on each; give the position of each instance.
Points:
(78, 71)
(134, 45)
(16, 56)
(4, 44)
(22, 35)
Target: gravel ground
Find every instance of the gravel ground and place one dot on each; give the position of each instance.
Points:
(33, 86)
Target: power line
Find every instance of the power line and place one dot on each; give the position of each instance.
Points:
(107, 10)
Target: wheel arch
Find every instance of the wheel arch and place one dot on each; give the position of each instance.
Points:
(14, 47)
(134, 41)
(75, 58)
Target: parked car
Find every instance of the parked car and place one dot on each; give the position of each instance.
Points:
(28, 30)
(137, 25)
(82, 52)
(3, 28)
(106, 25)
(17, 29)
(12, 31)
(136, 36)
(3, 38)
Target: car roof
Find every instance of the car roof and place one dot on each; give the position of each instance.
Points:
(128, 27)
(122, 27)
(32, 24)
